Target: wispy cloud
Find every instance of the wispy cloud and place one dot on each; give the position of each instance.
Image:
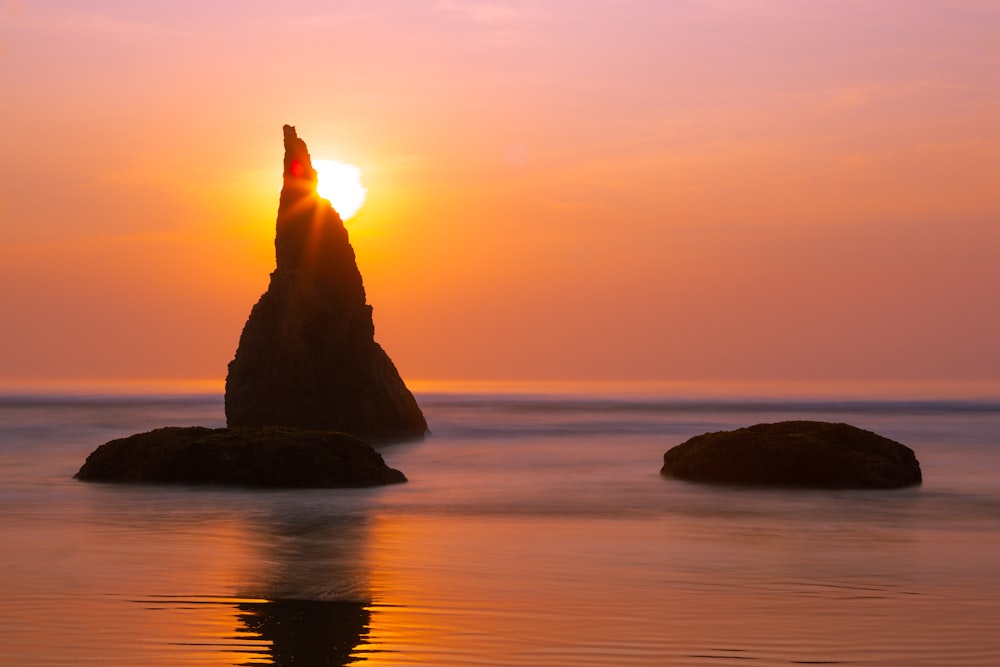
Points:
(94, 23)
(493, 14)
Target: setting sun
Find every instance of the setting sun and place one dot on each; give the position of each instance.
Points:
(340, 183)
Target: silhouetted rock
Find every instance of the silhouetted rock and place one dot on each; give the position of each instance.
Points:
(267, 456)
(795, 453)
(307, 357)
(315, 633)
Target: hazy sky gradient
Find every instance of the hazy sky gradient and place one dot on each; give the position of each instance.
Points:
(670, 189)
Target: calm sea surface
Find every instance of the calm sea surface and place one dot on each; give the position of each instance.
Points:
(535, 530)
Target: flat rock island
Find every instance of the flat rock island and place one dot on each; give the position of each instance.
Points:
(805, 454)
(308, 378)
(269, 456)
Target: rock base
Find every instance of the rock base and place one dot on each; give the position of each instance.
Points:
(807, 454)
(262, 457)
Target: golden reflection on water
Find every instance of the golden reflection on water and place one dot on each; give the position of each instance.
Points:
(475, 590)
(455, 590)
(275, 586)
(309, 585)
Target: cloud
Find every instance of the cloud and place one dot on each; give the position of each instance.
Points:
(492, 14)
(92, 23)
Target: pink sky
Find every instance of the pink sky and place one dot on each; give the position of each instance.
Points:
(669, 190)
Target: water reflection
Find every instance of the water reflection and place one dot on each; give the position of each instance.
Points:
(310, 579)
(305, 632)
(304, 551)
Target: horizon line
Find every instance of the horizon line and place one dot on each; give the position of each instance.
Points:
(858, 389)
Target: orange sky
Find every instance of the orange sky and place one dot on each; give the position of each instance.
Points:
(669, 189)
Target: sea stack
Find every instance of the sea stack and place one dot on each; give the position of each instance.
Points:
(307, 357)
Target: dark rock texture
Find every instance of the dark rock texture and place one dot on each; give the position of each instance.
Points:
(266, 457)
(807, 454)
(307, 357)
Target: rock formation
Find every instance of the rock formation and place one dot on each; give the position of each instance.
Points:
(307, 356)
(307, 373)
(266, 457)
(795, 454)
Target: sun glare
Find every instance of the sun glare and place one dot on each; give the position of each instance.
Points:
(340, 183)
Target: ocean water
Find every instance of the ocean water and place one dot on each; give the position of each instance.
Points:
(535, 530)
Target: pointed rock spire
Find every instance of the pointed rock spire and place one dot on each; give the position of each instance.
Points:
(298, 164)
(307, 356)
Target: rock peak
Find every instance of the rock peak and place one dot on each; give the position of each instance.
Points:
(298, 163)
(307, 356)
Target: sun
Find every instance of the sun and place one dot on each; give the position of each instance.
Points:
(340, 184)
